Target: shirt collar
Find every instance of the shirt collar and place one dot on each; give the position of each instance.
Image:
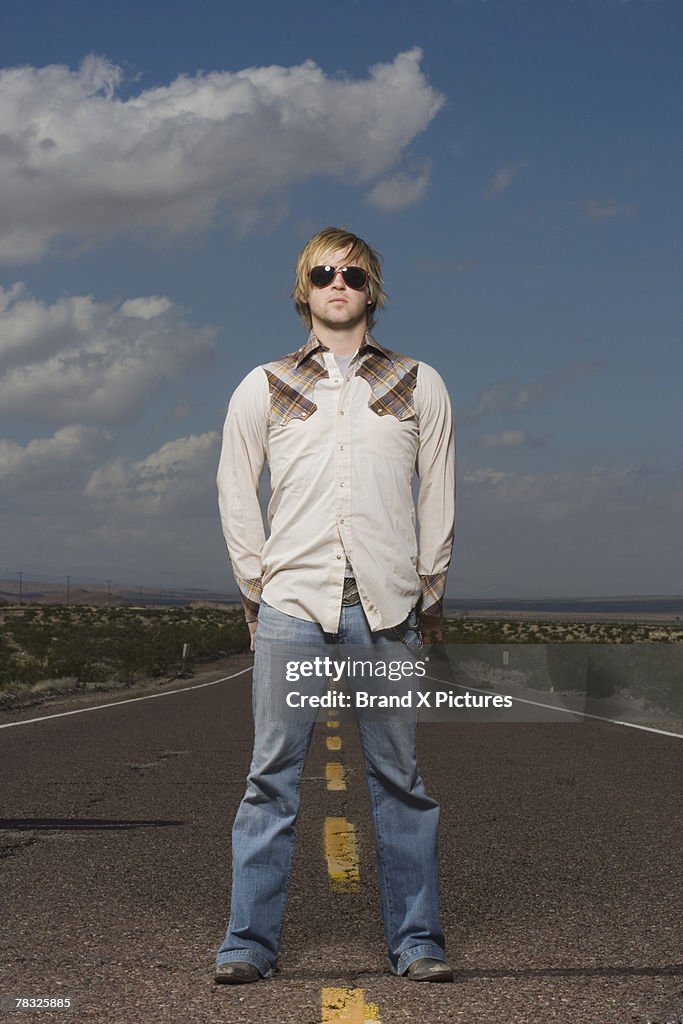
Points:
(314, 345)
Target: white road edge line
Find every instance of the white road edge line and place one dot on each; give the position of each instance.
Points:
(436, 679)
(130, 700)
(566, 711)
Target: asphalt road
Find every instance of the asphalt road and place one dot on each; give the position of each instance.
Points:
(560, 861)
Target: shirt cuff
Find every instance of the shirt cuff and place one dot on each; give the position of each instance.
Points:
(250, 592)
(433, 589)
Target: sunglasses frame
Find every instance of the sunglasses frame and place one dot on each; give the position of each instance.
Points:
(339, 270)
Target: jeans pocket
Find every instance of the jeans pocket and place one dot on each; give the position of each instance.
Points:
(409, 633)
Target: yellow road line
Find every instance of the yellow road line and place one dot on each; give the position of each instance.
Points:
(334, 743)
(335, 775)
(341, 852)
(332, 725)
(347, 1006)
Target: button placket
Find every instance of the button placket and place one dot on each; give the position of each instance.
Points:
(342, 467)
(335, 425)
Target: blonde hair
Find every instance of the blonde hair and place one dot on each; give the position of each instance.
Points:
(313, 253)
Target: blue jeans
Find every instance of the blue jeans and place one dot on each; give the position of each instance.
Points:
(404, 817)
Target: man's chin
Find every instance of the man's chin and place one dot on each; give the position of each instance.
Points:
(341, 321)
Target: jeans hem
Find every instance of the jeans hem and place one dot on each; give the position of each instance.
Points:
(246, 956)
(417, 953)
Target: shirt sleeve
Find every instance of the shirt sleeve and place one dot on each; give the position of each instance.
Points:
(243, 455)
(435, 467)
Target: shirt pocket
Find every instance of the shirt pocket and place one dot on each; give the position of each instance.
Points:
(388, 438)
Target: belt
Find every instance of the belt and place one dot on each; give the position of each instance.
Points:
(350, 595)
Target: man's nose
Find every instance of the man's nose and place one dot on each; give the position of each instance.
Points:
(338, 281)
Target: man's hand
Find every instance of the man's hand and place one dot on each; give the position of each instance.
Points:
(430, 627)
(252, 633)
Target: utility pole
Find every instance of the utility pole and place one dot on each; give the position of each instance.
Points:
(109, 592)
(20, 588)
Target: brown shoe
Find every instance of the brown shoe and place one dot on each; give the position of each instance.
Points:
(237, 972)
(429, 969)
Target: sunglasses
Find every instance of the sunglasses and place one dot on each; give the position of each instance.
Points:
(354, 277)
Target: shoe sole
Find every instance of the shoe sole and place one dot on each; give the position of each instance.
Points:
(434, 978)
(435, 975)
(235, 979)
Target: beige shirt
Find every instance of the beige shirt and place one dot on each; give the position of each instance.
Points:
(342, 452)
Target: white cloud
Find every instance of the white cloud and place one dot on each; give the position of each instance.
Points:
(599, 531)
(77, 160)
(178, 478)
(50, 462)
(504, 177)
(595, 209)
(78, 359)
(68, 510)
(561, 496)
(544, 495)
(604, 530)
(399, 190)
(512, 439)
(509, 397)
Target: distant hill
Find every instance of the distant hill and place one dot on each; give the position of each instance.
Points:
(98, 593)
(625, 608)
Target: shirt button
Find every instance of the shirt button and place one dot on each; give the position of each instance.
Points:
(338, 556)
(341, 412)
(341, 447)
(341, 520)
(341, 484)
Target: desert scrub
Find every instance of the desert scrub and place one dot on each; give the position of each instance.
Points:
(523, 631)
(596, 659)
(117, 644)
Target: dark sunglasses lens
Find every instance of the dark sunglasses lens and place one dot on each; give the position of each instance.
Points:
(321, 276)
(355, 277)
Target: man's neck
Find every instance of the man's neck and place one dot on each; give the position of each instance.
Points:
(341, 341)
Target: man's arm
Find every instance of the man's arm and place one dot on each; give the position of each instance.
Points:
(435, 468)
(242, 458)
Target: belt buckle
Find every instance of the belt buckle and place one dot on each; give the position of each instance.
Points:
(350, 595)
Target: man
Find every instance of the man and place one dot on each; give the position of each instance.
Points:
(343, 424)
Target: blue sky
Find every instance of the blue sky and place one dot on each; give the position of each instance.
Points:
(518, 165)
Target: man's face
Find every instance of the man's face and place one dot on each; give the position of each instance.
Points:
(337, 305)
